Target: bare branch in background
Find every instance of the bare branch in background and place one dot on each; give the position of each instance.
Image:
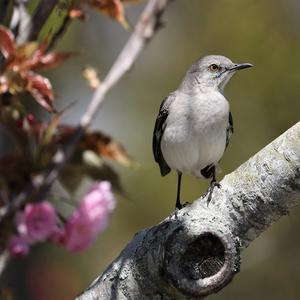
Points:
(144, 30)
(147, 25)
(20, 21)
(4, 258)
(195, 252)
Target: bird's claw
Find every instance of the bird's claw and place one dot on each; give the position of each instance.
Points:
(186, 204)
(214, 184)
(179, 206)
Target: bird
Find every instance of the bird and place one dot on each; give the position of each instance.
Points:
(194, 123)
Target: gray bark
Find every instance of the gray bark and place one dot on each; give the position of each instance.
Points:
(196, 251)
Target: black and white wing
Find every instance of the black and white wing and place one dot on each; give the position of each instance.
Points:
(229, 130)
(159, 128)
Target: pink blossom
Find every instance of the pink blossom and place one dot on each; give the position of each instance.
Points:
(97, 204)
(57, 235)
(17, 246)
(79, 233)
(37, 222)
(91, 217)
(100, 192)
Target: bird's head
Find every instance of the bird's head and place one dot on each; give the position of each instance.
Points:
(213, 71)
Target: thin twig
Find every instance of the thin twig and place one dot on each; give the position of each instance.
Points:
(20, 23)
(144, 30)
(4, 258)
(147, 25)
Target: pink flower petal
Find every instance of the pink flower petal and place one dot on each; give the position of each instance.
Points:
(90, 218)
(37, 222)
(17, 246)
(79, 233)
(57, 235)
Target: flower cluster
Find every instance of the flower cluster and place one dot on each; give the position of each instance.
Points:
(39, 222)
(21, 63)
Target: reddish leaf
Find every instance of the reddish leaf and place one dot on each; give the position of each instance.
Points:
(98, 142)
(17, 76)
(36, 56)
(52, 60)
(104, 145)
(7, 43)
(42, 48)
(77, 13)
(41, 89)
(30, 56)
(111, 8)
(24, 52)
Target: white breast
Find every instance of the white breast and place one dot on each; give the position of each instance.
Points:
(195, 133)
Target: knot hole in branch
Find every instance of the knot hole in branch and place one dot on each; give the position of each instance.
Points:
(204, 257)
(200, 263)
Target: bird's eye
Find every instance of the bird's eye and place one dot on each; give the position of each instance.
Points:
(214, 67)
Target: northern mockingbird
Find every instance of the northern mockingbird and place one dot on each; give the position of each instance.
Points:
(194, 123)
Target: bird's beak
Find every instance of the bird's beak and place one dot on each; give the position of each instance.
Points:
(240, 66)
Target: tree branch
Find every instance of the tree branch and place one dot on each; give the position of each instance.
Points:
(144, 30)
(148, 23)
(195, 252)
(4, 258)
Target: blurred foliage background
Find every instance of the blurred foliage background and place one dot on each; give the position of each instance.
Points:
(264, 102)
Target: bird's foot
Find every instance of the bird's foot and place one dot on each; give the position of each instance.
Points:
(213, 184)
(178, 207)
(185, 204)
(178, 204)
(211, 187)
